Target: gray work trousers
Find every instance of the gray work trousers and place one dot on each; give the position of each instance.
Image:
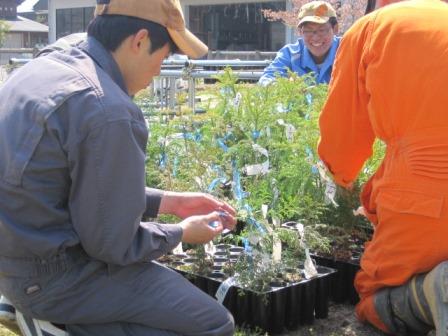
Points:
(94, 298)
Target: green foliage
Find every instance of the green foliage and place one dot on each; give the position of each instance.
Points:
(4, 28)
(257, 271)
(145, 102)
(240, 331)
(215, 152)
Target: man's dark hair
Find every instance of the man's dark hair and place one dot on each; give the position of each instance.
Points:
(112, 30)
(333, 21)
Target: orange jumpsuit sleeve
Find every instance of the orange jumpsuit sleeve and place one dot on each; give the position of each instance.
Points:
(346, 132)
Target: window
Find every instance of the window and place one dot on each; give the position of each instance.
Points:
(238, 26)
(72, 20)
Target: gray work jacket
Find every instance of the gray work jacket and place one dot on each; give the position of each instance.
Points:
(72, 163)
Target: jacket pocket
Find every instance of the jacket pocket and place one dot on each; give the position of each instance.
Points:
(411, 202)
(23, 154)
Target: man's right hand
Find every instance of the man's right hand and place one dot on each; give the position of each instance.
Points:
(200, 230)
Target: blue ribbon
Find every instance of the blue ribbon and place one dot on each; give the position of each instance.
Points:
(309, 152)
(196, 136)
(222, 145)
(309, 98)
(256, 134)
(175, 165)
(215, 182)
(162, 160)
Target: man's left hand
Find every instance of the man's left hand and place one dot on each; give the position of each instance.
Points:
(186, 204)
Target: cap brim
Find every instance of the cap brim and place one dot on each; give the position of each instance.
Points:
(187, 43)
(315, 19)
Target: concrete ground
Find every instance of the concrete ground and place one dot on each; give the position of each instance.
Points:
(341, 321)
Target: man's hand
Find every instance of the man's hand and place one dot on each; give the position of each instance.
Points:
(202, 229)
(188, 204)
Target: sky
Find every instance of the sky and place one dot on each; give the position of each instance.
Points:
(27, 6)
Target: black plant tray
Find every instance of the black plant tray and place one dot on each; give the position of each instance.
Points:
(285, 305)
(342, 287)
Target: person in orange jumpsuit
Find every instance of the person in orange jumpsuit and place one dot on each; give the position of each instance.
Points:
(390, 81)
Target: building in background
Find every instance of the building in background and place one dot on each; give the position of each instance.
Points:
(38, 12)
(236, 26)
(221, 24)
(23, 36)
(41, 10)
(8, 9)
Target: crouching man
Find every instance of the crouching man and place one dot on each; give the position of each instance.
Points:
(73, 247)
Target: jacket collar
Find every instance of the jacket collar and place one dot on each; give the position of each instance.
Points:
(104, 60)
(308, 61)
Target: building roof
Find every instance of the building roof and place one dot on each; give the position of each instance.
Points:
(22, 24)
(41, 5)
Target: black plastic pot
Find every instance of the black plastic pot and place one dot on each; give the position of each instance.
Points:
(223, 247)
(322, 295)
(293, 307)
(342, 287)
(268, 310)
(236, 250)
(214, 281)
(284, 305)
(220, 259)
(221, 253)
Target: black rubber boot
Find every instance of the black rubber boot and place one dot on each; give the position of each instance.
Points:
(418, 306)
(435, 288)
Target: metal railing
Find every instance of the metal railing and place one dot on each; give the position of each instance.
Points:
(190, 70)
(7, 53)
(242, 55)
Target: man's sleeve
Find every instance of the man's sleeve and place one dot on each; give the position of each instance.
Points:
(279, 67)
(108, 197)
(346, 133)
(153, 199)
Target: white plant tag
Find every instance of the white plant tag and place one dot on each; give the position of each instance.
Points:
(268, 132)
(224, 288)
(264, 210)
(309, 267)
(280, 108)
(261, 168)
(199, 182)
(289, 129)
(276, 222)
(178, 249)
(277, 249)
(330, 193)
(301, 230)
(237, 100)
(210, 248)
